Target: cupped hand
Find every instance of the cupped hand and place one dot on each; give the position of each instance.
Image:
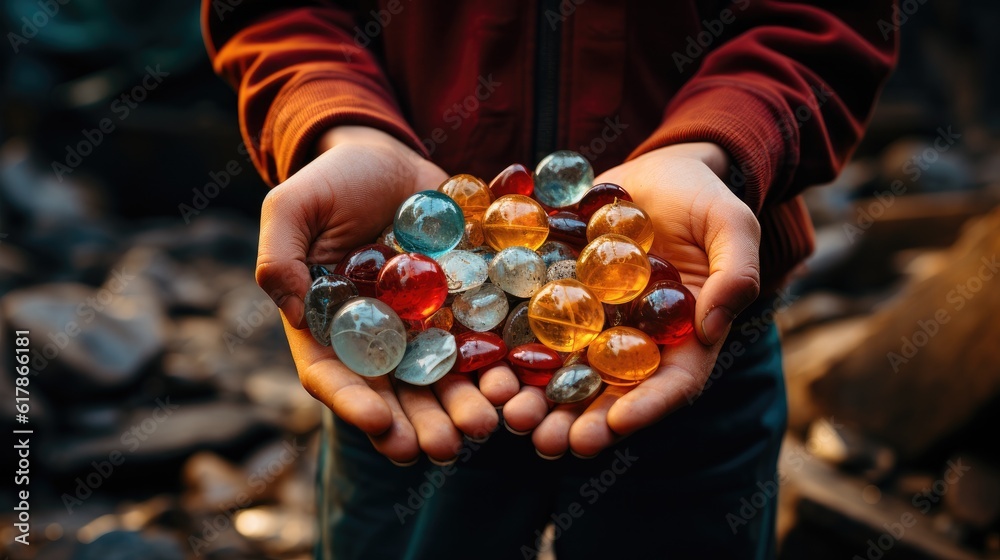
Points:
(341, 200)
(712, 238)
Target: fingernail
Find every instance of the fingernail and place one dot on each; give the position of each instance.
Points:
(515, 432)
(715, 324)
(410, 464)
(549, 457)
(584, 457)
(449, 462)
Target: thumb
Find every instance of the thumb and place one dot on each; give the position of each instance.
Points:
(281, 253)
(732, 242)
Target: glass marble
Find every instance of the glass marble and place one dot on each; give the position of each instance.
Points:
(555, 251)
(623, 218)
(474, 233)
(325, 297)
(534, 363)
(478, 350)
(319, 270)
(517, 330)
(515, 179)
(604, 193)
(562, 178)
(661, 269)
(573, 383)
(569, 228)
(430, 223)
(484, 251)
(665, 312)
(463, 270)
(441, 319)
(614, 267)
(482, 308)
(413, 285)
(565, 315)
(616, 315)
(515, 220)
(388, 238)
(624, 353)
(519, 271)
(368, 337)
(362, 266)
(429, 356)
(561, 270)
(471, 194)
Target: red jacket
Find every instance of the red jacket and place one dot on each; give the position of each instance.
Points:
(474, 85)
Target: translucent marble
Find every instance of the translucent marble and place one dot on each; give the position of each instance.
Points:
(534, 363)
(515, 220)
(623, 218)
(555, 251)
(428, 357)
(617, 315)
(665, 312)
(604, 193)
(362, 266)
(474, 233)
(624, 354)
(561, 271)
(441, 319)
(614, 267)
(519, 271)
(325, 297)
(368, 337)
(413, 285)
(463, 270)
(482, 308)
(478, 350)
(318, 270)
(562, 178)
(516, 329)
(573, 383)
(565, 315)
(569, 228)
(515, 179)
(484, 251)
(471, 194)
(661, 269)
(388, 238)
(430, 223)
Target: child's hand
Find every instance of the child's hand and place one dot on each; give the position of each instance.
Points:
(341, 200)
(712, 237)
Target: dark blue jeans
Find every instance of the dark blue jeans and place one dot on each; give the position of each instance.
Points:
(699, 484)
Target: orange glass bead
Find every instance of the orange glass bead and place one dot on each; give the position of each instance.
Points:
(614, 267)
(471, 194)
(623, 354)
(565, 315)
(623, 218)
(515, 220)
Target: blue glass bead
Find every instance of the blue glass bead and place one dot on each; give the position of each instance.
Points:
(368, 337)
(429, 356)
(430, 223)
(562, 178)
(463, 270)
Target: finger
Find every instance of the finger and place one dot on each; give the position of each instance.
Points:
(525, 410)
(590, 433)
(281, 252)
(400, 443)
(498, 383)
(437, 435)
(684, 369)
(551, 437)
(732, 241)
(469, 410)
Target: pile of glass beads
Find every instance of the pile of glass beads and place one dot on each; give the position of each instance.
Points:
(546, 272)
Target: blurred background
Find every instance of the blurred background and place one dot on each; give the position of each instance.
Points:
(168, 420)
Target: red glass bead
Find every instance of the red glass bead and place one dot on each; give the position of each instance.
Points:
(477, 350)
(599, 195)
(665, 312)
(534, 363)
(516, 179)
(362, 266)
(569, 228)
(660, 269)
(413, 285)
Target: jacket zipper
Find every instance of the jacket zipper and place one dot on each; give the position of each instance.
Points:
(546, 79)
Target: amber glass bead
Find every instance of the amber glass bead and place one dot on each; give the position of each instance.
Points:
(598, 196)
(471, 194)
(515, 220)
(534, 363)
(665, 312)
(614, 267)
(516, 179)
(624, 353)
(661, 269)
(362, 266)
(413, 285)
(623, 218)
(441, 319)
(569, 228)
(477, 350)
(565, 315)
